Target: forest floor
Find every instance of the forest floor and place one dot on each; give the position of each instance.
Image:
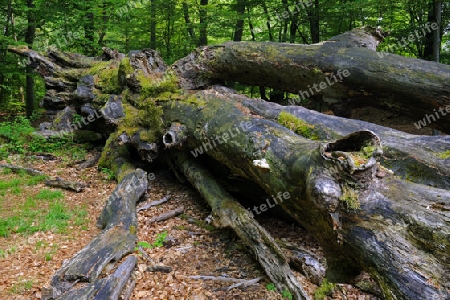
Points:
(30, 253)
(28, 260)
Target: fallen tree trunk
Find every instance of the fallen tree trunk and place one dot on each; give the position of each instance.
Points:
(364, 217)
(417, 158)
(384, 233)
(342, 68)
(229, 213)
(118, 238)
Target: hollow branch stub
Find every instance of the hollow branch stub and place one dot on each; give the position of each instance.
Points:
(175, 136)
(356, 153)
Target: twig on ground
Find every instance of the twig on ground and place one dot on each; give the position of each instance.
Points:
(154, 203)
(168, 215)
(145, 255)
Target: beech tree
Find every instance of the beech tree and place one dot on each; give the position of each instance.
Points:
(376, 199)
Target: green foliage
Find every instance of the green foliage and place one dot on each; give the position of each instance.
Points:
(77, 119)
(271, 287)
(160, 238)
(286, 294)
(109, 173)
(19, 138)
(325, 289)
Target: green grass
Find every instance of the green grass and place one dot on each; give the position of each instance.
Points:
(43, 211)
(21, 287)
(17, 138)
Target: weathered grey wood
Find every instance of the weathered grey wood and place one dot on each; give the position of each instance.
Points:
(67, 185)
(415, 157)
(168, 215)
(118, 238)
(109, 288)
(412, 86)
(378, 235)
(17, 169)
(400, 231)
(51, 182)
(229, 213)
(154, 203)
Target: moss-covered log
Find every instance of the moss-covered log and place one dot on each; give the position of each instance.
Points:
(338, 69)
(118, 238)
(323, 171)
(402, 241)
(417, 158)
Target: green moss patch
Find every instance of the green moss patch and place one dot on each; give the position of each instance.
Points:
(444, 155)
(296, 125)
(106, 76)
(350, 197)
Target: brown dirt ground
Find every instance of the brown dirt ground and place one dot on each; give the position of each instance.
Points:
(193, 250)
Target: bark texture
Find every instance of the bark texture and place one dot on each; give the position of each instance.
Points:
(414, 87)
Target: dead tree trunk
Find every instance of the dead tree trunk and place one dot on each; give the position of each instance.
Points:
(330, 174)
(342, 68)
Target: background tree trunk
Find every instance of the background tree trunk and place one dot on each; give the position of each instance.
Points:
(30, 98)
(203, 31)
(153, 24)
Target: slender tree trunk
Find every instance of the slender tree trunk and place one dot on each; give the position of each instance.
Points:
(293, 28)
(104, 24)
(437, 7)
(153, 24)
(269, 28)
(250, 26)
(203, 39)
(239, 29)
(89, 33)
(3, 51)
(313, 14)
(187, 19)
(283, 35)
(29, 39)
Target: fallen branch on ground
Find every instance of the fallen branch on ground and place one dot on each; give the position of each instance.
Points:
(67, 185)
(168, 215)
(222, 278)
(154, 203)
(17, 169)
(159, 268)
(51, 182)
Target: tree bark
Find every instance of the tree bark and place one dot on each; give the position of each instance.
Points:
(203, 31)
(118, 238)
(153, 24)
(394, 81)
(29, 39)
(239, 27)
(401, 240)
